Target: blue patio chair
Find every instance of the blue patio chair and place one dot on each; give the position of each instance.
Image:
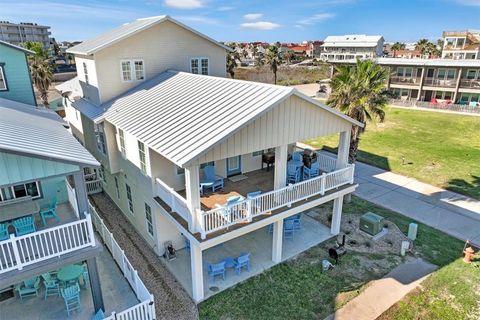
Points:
(99, 315)
(50, 212)
(28, 288)
(472, 104)
(52, 287)
(85, 276)
(217, 269)
(297, 156)
(233, 200)
(297, 221)
(312, 172)
(293, 173)
(211, 177)
(288, 229)
(253, 194)
(242, 261)
(24, 225)
(71, 297)
(4, 235)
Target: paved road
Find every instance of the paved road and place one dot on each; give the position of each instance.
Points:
(444, 210)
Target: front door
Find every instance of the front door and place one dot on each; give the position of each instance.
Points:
(234, 166)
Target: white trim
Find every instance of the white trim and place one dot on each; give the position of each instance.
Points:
(37, 183)
(2, 73)
(133, 72)
(199, 62)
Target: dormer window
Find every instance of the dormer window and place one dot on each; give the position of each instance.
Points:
(132, 70)
(199, 66)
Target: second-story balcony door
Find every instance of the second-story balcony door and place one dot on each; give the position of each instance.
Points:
(234, 166)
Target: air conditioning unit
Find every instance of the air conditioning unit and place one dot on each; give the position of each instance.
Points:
(371, 223)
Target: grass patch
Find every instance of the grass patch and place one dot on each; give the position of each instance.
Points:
(297, 289)
(438, 148)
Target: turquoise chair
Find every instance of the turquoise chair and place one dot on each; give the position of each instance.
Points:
(71, 297)
(242, 261)
(297, 156)
(85, 276)
(211, 178)
(28, 288)
(52, 287)
(24, 225)
(4, 235)
(293, 173)
(50, 212)
(312, 172)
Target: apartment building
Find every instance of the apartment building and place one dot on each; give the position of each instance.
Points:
(182, 150)
(348, 47)
(17, 33)
(461, 45)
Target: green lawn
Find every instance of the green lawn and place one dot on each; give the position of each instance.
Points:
(297, 289)
(437, 148)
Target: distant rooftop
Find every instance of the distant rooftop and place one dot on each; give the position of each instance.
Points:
(352, 40)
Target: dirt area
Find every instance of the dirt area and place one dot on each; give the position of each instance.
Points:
(286, 75)
(171, 300)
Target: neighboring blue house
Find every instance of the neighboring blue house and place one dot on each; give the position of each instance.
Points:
(15, 81)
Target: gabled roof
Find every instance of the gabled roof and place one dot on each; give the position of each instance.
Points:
(16, 47)
(181, 115)
(126, 30)
(26, 130)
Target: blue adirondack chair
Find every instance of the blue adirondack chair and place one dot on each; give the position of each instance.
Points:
(24, 225)
(28, 288)
(293, 173)
(49, 212)
(4, 235)
(214, 181)
(288, 229)
(312, 172)
(297, 156)
(217, 269)
(85, 276)
(71, 297)
(242, 261)
(52, 287)
(99, 315)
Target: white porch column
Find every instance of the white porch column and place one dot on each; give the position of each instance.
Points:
(277, 241)
(281, 155)
(337, 215)
(343, 150)
(197, 272)
(192, 188)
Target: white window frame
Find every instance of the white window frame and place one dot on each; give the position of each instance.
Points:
(2, 74)
(37, 183)
(121, 140)
(100, 138)
(128, 190)
(199, 64)
(133, 72)
(142, 157)
(85, 71)
(149, 222)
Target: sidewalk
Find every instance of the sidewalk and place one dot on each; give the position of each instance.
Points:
(452, 213)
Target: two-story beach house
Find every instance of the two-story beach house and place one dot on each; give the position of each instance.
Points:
(183, 149)
(355, 46)
(15, 81)
(461, 45)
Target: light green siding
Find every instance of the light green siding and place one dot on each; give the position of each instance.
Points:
(53, 187)
(14, 63)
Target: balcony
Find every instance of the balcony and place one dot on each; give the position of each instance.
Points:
(473, 84)
(435, 82)
(405, 80)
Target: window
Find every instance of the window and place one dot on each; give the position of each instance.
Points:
(30, 189)
(117, 188)
(460, 43)
(129, 197)
(471, 74)
(3, 81)
(199, 66)
(85, 72)
(450, 73)
(141, 155)
(257, 153)
(180, 171)
(203, 165)
(101, 173)
(100, 138)
(133, 70)
(148, 218)
(121, 138)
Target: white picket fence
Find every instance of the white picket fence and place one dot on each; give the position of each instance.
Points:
(18, 252)
(145, 310)
(94, 186)
(175, 201)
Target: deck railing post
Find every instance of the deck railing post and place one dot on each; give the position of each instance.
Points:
(322, 183)
(201, 216)
(249, 209)
(352, 173)
(91, 233)
(16, 253)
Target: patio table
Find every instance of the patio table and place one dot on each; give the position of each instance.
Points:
(70, 273)
(18, 209)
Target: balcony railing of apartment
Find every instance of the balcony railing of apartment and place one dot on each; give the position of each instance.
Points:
(440, 82)
(466, 107)
(467, 83)
(18, 252)
(404, 80)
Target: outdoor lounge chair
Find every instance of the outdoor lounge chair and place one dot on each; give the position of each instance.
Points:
(242, 261)
(28, 288)
(288, 229)
(4, 235)
(293, 173)
(52, 287)
(24, 225)
(49, 212)
(211, 180)
(297, 156)
(312, 172)
(217, 269)
(71, 297)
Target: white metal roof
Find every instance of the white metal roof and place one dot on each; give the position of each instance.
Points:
(126, 30)
(353, 40)
(24, 129)
(181, 115)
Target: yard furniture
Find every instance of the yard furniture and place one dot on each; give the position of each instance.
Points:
(296, 221)
(52, 287)
(205, 185)
(14, 209)
(69, 275)
(28, 288)
(288, 229)
(85, 276)
(233, 200)
(293, 173)
(269, 159)
(99, 315)
(312, 172)
(472, 104)
(211, 177)
(229, 262)
(170, 252)
(242, 261)
(4, 235)
(253, 194)
(24, 226)
(217, 269)
(50, 212)
(297, 156)
(71, 297)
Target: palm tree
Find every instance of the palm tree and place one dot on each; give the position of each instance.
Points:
(42, 76)
(273, 60)
(254, 51)
(232, 58)
(36, 47)
(289, 56)
(398, 46)
(359, 91)
(421, 45)
(259, 61)
(245, 53)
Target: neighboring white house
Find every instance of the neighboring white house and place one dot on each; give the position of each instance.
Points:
(355, 46)
(156, 109)
(461, 45)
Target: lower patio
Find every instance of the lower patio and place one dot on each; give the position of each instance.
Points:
(259, 244)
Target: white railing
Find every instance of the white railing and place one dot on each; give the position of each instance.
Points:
(145, 310)
(94, 186)
(175, 201)
(19, 252)
(72, 198)
(223, 217)
(327, 163)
